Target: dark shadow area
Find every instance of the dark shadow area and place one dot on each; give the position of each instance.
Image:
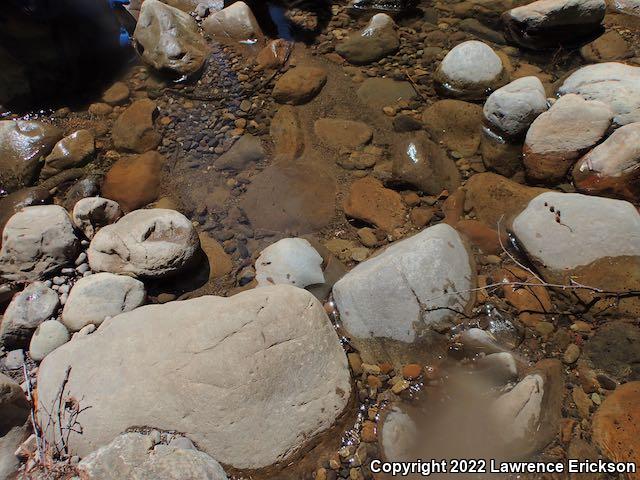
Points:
(58, 52)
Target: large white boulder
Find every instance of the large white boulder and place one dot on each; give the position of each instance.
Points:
(169, 39)
(37, 241)
(250, 378)
(616, 84)
(589, 228)
(290, 261)
(512, 109)
(146, 243)
(414, 284)
(96, 297)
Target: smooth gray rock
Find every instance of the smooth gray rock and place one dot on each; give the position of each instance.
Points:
(616, 84)
(260, 372)
(9, 443)
(37, 241)
(513, 108)
(548, 23)
(48, 336)
(590, 228)
(23, 146)
(389, 294)
(170, 39)
(92, 213)
(96, 297)
(132, 456)
(146, 243)
(290, 261)
(27, 310)
(247, 149)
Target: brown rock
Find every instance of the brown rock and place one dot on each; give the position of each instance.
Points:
(274, 55)
(134, 182)
(501, 157)
(616, 425)
(220, 264)
(531, 302)
(14, 407)
(100, 109)
(16, 201)
(378, 93)
(134, 131)
(411, 371)
(423, 164)
(480, 235)
(421, 216)
(290, 198)
(561, 135)
(453, 206)
(287, 134)
(299, 85)
(369, 432)
(613, 167)
(582, 401)
(339, 133)
(370, 201)
(606, 48)
(72, 151)
(455, 124)
(116, 94)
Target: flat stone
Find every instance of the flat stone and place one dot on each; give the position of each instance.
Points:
(612, 168)
(73, 151)
(381, 92)
(48, 336)
(273, 345)
(102, 295)
(423, 164)
(558, 137)
(23, 145)
(134, 182)
(168, 39)
(396, 294)
(133, 130)
(290, 261)
(370, 201)
(616, 84)
(245, 151)
(147, 243)
(287, 133)
(469, 71)
(455, 124)
(16, 201)
(606, 48)
(510, 110)
(37, 241)
(339, 133)
(615, 350)
(306, 205)
(299, 85)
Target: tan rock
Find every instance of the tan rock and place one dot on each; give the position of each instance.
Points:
(370, 201)
(338, 133)
(299, 85)
(134, 182)
(72, 151)
(455, 124)
(134, 130)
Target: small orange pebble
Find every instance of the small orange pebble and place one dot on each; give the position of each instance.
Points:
(374, 382)
(411, 371)
(369, 433)
(386, 367)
